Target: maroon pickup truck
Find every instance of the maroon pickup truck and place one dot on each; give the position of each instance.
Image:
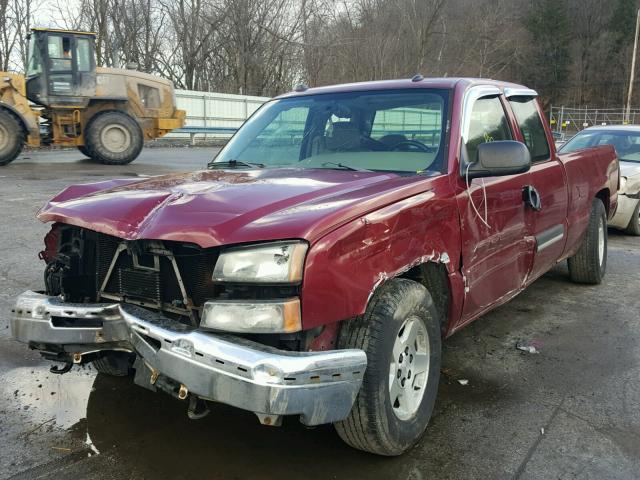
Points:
(317, 263)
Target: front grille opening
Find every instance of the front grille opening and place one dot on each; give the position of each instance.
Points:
(92, 266)
(70, 322)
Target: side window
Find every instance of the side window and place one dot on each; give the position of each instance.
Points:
(84, 54)
(488, 123)
(35, 64)
(149, 96)
(60, 53)
(531, 127)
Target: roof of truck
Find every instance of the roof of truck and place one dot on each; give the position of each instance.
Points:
(407, 83)
(61, 30)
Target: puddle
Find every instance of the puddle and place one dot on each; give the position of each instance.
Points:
(59, 400)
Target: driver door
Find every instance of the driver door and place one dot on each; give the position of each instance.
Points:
(496, 250)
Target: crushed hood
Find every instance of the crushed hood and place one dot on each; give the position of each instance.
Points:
(216, 207)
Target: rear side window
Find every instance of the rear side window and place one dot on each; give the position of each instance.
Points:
(531, 127)
(488, 123)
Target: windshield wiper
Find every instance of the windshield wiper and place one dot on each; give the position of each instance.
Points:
(346, 167)
(234, 164)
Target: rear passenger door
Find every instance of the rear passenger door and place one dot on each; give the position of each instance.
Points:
(547, 224)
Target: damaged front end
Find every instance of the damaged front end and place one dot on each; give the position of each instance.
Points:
(148, 298)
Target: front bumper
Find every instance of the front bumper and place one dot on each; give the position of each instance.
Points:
(319, 386)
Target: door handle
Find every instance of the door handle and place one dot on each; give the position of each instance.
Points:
(531, 198)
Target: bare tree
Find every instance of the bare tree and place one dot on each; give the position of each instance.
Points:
(15, 21)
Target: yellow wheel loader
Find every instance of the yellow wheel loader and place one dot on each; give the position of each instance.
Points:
(66, 100)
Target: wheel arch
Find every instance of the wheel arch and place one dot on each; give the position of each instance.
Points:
(29, 128)
(93, 113)
(605, 195)
(435, 278)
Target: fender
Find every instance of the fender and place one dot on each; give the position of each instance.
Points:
(30, 125)
(344, 268)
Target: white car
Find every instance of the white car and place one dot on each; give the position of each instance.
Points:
(626, 140)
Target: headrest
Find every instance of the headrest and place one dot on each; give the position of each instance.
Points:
(345, 136)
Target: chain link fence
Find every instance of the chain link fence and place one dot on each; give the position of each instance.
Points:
(566, 122)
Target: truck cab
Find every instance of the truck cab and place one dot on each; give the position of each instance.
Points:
(61, 70)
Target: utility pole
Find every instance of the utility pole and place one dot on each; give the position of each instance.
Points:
(633, 68)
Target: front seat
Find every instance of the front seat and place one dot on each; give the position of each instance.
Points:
(345, 137)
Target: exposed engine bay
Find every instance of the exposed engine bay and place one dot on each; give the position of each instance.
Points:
(172, 277)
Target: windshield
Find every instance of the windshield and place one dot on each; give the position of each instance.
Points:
(626, 142)
(387, 130)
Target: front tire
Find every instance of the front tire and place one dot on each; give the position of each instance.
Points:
(400, 333)
(11, 138)
(634, 224)
(113, 138)
(589, 264)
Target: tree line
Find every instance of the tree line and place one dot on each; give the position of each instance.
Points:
(575, 52)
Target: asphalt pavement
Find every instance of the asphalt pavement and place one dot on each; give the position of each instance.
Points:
(572, 410)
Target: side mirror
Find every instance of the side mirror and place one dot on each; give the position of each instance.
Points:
(504, 157)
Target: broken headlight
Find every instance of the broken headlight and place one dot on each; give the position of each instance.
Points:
(278, 262)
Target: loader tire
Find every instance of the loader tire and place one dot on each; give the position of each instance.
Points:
(84, 151)
(115, 364)
(113, 138)
(11, 138)
(589, 264)
(400, 333)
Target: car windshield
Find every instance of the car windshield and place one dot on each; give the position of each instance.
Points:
(626, 142)
(388, 130)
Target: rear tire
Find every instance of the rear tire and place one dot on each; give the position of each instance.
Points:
(634, 224)
(589, 264)
(113, 138)
(400, 333)
(11, 138)
(116, 364)
(84, 151)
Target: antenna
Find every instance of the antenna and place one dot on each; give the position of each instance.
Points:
(301, 87)
(417, 78)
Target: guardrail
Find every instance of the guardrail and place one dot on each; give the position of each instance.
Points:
(193, 131)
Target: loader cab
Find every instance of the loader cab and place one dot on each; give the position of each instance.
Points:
(62, 69)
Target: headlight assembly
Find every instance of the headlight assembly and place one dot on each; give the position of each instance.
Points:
(252, 316)
(277, 262)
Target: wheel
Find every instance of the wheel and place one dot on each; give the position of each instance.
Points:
(634, 224)
(116, 364)
(400, 333)
(113, 138)
(84, 151)
(589, 264)
(11, 138)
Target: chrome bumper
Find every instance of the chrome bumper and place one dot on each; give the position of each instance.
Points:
(319, 386)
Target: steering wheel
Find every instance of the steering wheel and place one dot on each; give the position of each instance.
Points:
(411, 143)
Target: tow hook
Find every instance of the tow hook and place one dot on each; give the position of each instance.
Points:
(60, 370)
(198, 408)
